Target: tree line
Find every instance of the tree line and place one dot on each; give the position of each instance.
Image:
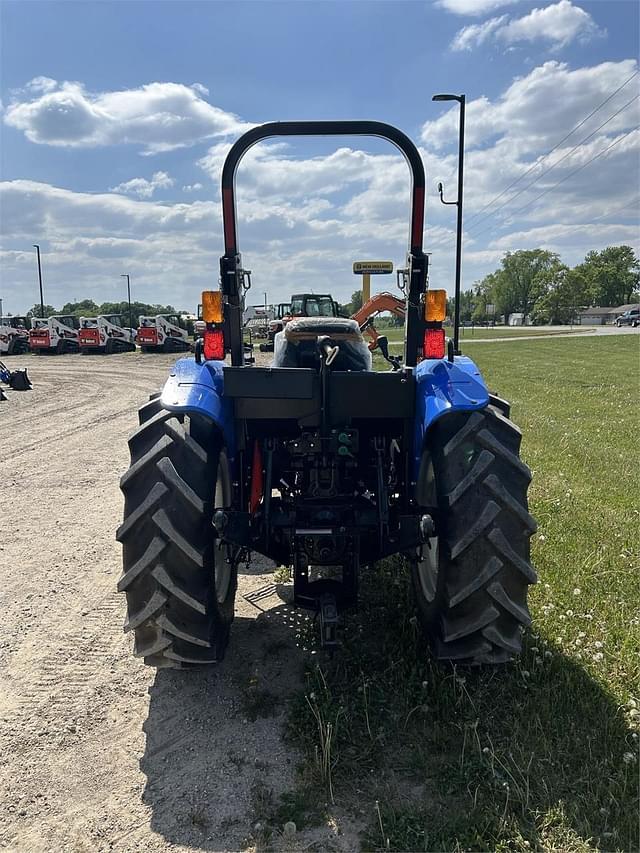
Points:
(536, 283)
(89, 308)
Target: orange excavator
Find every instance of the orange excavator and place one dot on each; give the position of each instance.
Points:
(365, 316)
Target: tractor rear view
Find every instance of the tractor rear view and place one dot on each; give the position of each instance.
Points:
(326, 466)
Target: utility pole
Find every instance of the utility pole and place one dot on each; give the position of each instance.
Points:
(37, 248)
(126, 275)
(461, 99)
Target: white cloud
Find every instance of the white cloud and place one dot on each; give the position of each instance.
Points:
(41, 84)
(473, 7)
(192, 188)
(306, 218)
(558, 24)
(144, 188)
(476, 34)
(537, 110)
(157, 116)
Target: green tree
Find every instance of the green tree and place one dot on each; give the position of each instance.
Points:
(613, 275)
(521, 282)
(84, 308)
(567, 292)
(355, 304)
(49, 310)
(467, 305)
(486, 293)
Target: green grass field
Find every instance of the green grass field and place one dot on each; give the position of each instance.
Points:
(396, 335)
(542, 754)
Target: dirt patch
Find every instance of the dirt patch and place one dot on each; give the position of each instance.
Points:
(98, 751)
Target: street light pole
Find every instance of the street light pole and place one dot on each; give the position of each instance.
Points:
(37, 248)
(461, 99)
(126, 275)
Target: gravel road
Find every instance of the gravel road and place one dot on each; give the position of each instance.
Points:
(98, 752)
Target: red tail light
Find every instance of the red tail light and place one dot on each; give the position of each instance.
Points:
(214, 344)
(434, 343)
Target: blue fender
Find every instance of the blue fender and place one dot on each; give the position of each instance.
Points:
(198, 388)
(445, 386)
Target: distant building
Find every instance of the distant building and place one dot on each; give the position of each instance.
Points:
(602, 316)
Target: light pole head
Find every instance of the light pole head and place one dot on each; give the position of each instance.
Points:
(36, 246)
(447, 98)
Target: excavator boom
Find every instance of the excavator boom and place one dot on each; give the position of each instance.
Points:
(364, 317)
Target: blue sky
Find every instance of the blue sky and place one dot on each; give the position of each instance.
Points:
(116, 118)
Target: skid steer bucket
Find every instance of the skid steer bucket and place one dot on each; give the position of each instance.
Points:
(19, 381)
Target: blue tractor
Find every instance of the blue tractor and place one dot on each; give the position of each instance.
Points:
(323, 465)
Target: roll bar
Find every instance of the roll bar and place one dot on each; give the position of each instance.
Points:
(231, 273)
(321, 128)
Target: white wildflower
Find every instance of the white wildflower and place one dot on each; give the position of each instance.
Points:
(577, 591)
(628, 758)
(598, 657)
(598, 644)
(582, 635)
(548, 655)
(569, 612)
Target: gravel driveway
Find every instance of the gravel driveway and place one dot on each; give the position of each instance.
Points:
(98, 752)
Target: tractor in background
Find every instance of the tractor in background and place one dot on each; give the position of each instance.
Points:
(324, 465)
(301, 305)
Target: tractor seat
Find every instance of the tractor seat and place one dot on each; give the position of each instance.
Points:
(296, 346)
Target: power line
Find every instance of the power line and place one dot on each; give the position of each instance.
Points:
(557, 163)
(635, 203)
(551, 150)
(562, 180)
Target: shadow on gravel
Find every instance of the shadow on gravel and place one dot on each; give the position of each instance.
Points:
(214, 737)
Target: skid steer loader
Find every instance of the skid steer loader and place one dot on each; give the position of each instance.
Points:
(58, 334)
(14, 336)
(105, 333)
(326, 466)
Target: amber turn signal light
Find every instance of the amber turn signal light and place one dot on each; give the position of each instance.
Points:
(212, 311)
(435, 306)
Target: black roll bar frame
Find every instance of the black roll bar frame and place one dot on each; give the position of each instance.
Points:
(231, 273)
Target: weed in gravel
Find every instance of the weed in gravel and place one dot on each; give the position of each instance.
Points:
(257, 701)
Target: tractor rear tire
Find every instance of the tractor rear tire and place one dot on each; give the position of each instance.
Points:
(471, 584)
(179, 583)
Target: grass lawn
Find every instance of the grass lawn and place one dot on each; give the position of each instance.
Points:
(396, 335)
(539, 755)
